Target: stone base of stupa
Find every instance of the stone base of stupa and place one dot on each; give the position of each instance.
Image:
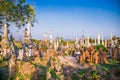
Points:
(27, 40)
(5, 40)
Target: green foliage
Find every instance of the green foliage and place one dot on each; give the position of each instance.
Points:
(30, 10)
(63, 42)
(17, 44)
(16, 11)
(53, 74)
(97, 47)
(43, 68)
(3, 63)
(81, 72)
(35, 64)
(30, 76)
(42, 77)
(36, 41)
(94, 74)
(107, 67)
(75, 77)
(112, 61)
(3, 70)
(19, 75)
(84, 47)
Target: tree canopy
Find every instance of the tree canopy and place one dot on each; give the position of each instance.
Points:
(16, 11)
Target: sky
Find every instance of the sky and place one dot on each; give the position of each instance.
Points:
(72, 18)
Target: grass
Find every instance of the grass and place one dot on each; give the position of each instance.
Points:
(3, 70)
(44, 68)
(4, 73)
(19, 75)
(35, 65)
(3, 64)
(42, 77)
(75, 77)
(81, 72)
(18, 44)
(94, 75)
(113, 62)
(53, 74)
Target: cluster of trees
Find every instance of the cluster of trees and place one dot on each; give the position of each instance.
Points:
(15, 12)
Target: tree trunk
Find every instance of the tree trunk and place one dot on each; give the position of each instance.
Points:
(5, 34)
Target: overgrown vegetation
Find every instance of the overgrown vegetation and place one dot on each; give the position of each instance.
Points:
(36, 41)
(3, 69)
(97, 47)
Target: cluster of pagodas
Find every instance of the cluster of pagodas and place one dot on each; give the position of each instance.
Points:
(84, 41)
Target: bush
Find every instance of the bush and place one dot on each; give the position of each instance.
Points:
(97, 47)
(81, 72)
(36, 41)
(17, 44)
(111, 61)
(94, 75)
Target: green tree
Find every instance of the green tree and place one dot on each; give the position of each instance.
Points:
(15, 11)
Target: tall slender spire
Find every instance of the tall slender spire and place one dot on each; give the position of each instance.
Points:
(57, 42)
(29, 30)
(27, 34)
(98, 39)
(45, 36)
(95, 39)
(102, 40)
(111, 36)
(88, 42)
(51, 37)
(76, 41)
(67, 44)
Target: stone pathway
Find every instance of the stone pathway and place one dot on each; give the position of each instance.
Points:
(70, 61)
